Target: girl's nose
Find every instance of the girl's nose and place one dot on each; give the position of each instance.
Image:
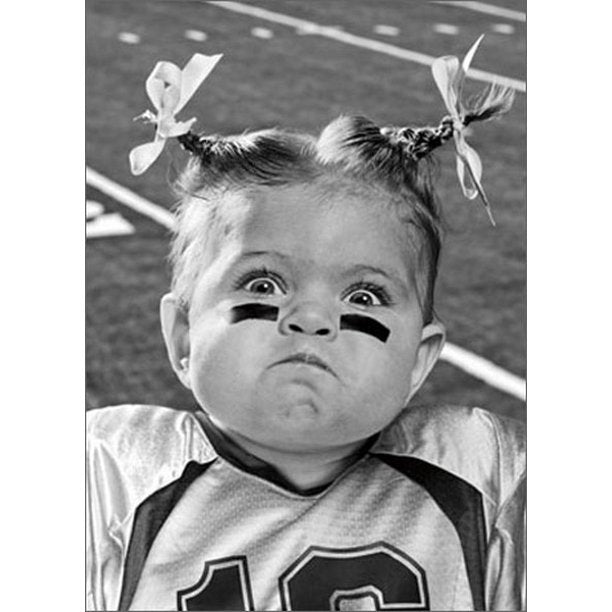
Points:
(309, 318)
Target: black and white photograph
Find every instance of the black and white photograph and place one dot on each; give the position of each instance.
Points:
(305, 305)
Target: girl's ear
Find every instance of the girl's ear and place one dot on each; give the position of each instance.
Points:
(175, 329)
(432, 341)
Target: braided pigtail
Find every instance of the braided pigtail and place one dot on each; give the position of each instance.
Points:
(406, 146)
(420, 142)
(267, 157)
(192, 143)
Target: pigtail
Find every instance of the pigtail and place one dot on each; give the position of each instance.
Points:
(267, 157)
(358, 145)
(402, 154)
(420, 142)
(193, 143)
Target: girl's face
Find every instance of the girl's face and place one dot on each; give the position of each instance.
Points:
(301, 376)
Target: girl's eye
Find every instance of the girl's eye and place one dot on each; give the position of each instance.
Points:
(263, 286)
(363, 298)
(367, 297)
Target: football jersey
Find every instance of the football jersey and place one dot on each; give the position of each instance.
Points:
(429, 517)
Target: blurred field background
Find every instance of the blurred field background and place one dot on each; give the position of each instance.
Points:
(273, 75)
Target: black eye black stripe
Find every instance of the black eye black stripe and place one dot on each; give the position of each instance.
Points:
(367, 325)
(353, 322)
(253, 311)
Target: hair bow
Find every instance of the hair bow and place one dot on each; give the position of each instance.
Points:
(449, 76)
(169, 88)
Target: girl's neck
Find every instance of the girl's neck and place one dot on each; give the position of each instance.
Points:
(304, 472)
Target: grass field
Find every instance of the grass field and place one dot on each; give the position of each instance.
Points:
(299, 80)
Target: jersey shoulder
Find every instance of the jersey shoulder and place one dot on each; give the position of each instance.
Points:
(486, 450)
(133, 450)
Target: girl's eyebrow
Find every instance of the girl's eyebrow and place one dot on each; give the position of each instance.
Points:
(366, 268)
(253, 254)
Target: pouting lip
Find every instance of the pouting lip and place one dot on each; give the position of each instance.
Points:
(308, 359)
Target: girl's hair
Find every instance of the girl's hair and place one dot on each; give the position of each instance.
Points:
(395, 162)
(385, 160)
(392, 165)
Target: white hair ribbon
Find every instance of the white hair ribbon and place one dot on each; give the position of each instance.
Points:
(449, 76)
(169, 88)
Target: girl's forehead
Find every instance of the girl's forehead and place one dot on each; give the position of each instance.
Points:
(313, 203)
(320, 222)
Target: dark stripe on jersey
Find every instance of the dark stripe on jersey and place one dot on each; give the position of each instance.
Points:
(148, 520)
(462, 504)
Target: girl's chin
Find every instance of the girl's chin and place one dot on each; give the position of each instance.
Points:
(302, 427)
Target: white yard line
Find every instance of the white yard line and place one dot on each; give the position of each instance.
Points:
(489, 9)
(359, 41)
(473, 364)
(485, 370)
(129, 198)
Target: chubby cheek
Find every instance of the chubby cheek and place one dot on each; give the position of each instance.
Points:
(225, 360)
(385, 382)
(387, 358)
(379, 374)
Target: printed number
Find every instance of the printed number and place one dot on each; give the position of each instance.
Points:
(375, 577)
(224, 585)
